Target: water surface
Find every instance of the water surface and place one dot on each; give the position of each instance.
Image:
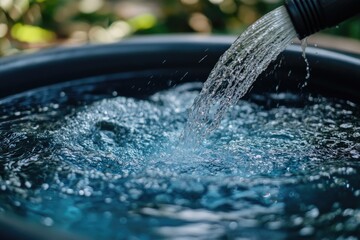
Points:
(280, 166)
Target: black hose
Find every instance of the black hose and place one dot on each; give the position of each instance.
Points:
(311, 16)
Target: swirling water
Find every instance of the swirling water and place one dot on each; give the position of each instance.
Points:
(279, 166)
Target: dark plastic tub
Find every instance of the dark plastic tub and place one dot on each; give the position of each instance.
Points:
(145, 65)
(157, 62)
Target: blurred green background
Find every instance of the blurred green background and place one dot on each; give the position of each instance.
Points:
(27, 25)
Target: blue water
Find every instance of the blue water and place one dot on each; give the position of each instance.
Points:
(280, 166)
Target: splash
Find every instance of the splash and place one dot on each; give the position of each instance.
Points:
(237, 70)
(280, 165)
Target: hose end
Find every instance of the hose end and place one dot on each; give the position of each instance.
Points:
(305, 16)
(311, 16)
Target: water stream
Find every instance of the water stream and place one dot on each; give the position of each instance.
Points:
(304, 44)
(237, 70)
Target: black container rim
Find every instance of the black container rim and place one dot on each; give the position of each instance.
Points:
(24, 72)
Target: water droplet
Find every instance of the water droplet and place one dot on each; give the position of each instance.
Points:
(47, 221)
(45, 186)
(233, 225)
(313, 213)
(346, 125)
(28, 184)
(306, 231)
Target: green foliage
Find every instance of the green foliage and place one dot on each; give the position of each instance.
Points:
(80, 21)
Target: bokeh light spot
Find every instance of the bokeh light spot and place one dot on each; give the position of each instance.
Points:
(6, 4)
(189, 2)
(216, 1)
(3, 30)
(90, 6)
(143, 22)
(31, 34)
(200, 23)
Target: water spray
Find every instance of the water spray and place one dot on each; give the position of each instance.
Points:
(311, 16)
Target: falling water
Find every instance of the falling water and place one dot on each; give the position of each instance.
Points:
(304, 44)
(237, 70)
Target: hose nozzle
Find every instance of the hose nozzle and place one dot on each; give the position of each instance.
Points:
(311, 16)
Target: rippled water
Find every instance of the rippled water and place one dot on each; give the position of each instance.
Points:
(279, 166)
